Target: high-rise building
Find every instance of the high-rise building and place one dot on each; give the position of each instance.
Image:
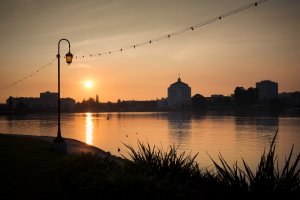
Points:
(267, 90)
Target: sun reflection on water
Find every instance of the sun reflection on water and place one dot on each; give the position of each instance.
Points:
(89, 128)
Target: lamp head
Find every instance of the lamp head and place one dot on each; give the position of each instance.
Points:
(69, 57)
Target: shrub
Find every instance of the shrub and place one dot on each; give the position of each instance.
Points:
(151, 173)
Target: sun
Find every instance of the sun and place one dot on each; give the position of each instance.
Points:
(88, 84)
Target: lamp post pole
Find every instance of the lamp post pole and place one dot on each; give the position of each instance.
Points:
(69, 57)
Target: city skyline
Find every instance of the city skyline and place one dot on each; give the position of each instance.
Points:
(96, 97)
(258, 44)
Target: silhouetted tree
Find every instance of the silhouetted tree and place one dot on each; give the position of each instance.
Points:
(252, 96)
(10, 103)
(245, 97)
(90, 100)
(295, 95)
(239, 95)
(88, 105)
(21, 106)
(109, 105)
(198, 101)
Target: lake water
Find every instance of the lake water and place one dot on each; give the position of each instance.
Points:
(232, 136)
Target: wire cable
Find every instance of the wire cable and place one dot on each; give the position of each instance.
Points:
(176, 33)
(28, 76)
(147, 42)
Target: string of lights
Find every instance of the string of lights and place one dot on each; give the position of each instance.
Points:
(147, 42)
(28, 76)
(175, 33)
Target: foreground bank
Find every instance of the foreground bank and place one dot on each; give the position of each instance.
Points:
(30, 169)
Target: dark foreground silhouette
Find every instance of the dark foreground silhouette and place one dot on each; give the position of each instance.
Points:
(151, 173)
(31, 170)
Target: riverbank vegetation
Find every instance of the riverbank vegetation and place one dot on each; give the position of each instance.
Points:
(31, 170)
(151, 173)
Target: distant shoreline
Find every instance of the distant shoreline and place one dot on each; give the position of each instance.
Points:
(234, 112)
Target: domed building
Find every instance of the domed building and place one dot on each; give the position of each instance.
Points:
(179, 95)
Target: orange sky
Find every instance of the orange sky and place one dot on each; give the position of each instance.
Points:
(257, 44)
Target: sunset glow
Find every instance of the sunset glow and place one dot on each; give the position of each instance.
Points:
(89, 128)
(88, 84)
(213, 59)
(91, 88)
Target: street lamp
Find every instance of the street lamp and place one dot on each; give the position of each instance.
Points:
(69, 58)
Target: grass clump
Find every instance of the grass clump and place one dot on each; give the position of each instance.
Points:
(169, 163)
(152, 173)
(267, 178)
(90, 176)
